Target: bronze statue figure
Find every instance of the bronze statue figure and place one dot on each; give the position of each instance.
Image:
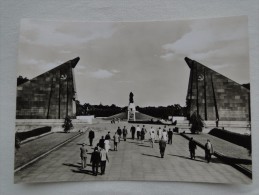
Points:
(131, 98)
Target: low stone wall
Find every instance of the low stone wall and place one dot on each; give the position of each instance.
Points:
(23, 125)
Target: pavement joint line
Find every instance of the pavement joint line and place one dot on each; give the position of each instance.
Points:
(48, 152)
(225, 159)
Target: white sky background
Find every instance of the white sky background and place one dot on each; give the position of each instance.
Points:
(146, 58)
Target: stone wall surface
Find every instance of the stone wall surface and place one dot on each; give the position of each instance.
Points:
(215, 96)
(50, 95)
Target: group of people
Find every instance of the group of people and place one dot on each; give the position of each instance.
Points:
(208, 148)
(99, 156)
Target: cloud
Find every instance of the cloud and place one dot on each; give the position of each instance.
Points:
(53, 33)
(207, 38)
(102, 74)
(115, 71)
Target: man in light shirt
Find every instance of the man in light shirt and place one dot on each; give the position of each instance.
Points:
(104, 158)
(208, 151)
(138, 132)
(152, 136)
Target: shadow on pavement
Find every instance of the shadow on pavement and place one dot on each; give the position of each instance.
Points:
(213, 159)
(72, 165)
(83, 171)
(151, 155)
(185, 157)
(143, 145)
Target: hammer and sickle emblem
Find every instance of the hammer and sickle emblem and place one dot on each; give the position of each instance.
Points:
(200, 77)
(63, 77)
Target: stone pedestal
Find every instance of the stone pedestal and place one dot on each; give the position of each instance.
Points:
(131, 112)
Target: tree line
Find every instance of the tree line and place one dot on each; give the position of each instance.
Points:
(108, 110)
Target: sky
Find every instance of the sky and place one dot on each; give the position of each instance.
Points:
(146, 58)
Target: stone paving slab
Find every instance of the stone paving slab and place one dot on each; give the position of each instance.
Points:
(133, 161)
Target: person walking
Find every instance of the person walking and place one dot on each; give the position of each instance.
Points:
(107, 145)
(95, 160)
(152, 136)
(116, 140)
(162, 146)
(124, 132)
(142, 133)
(192, 148)
(138, 130)
(108, 136)
(119, 132)
(170, 136)
(83, 155)
(132, 130)
(104, 158)
(101, 142)
(91, 137)
(164, 135)
(208, 151)
(159, 133)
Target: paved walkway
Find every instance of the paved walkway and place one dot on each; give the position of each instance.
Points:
(132, 161)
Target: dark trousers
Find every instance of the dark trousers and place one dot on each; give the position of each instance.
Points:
(192, 153)
(115, 146)
(138, 134)
(103, 166)
(91, 141)
(133, 135)
(169, 140)
(207, 156)
(95, 166)
(162, 152)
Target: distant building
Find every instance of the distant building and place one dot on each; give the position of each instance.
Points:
(50, 95)
(216, 97)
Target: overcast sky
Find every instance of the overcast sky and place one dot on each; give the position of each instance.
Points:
(146, 58)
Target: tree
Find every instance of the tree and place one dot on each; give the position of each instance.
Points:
(197, 123)
(21, 80)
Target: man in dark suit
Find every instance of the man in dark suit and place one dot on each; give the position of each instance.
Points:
(101, 142)
(170, 136)
(95, 160)
(192, 148)
(132, 130)
(91, 137)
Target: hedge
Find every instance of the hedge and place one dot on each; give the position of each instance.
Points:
(235, 138)
(32, 133)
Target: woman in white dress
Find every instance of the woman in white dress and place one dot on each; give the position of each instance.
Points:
(107, 145)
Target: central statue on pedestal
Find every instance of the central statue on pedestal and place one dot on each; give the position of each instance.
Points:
(131, 97)
(131, 108)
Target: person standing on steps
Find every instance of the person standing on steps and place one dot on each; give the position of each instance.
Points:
(104, 158)
(208, 151)
(91, 137)
(95, 160)
(192, 148)
(83, 155)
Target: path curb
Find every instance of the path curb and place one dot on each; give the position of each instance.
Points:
(226, 159)
(48, 152)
